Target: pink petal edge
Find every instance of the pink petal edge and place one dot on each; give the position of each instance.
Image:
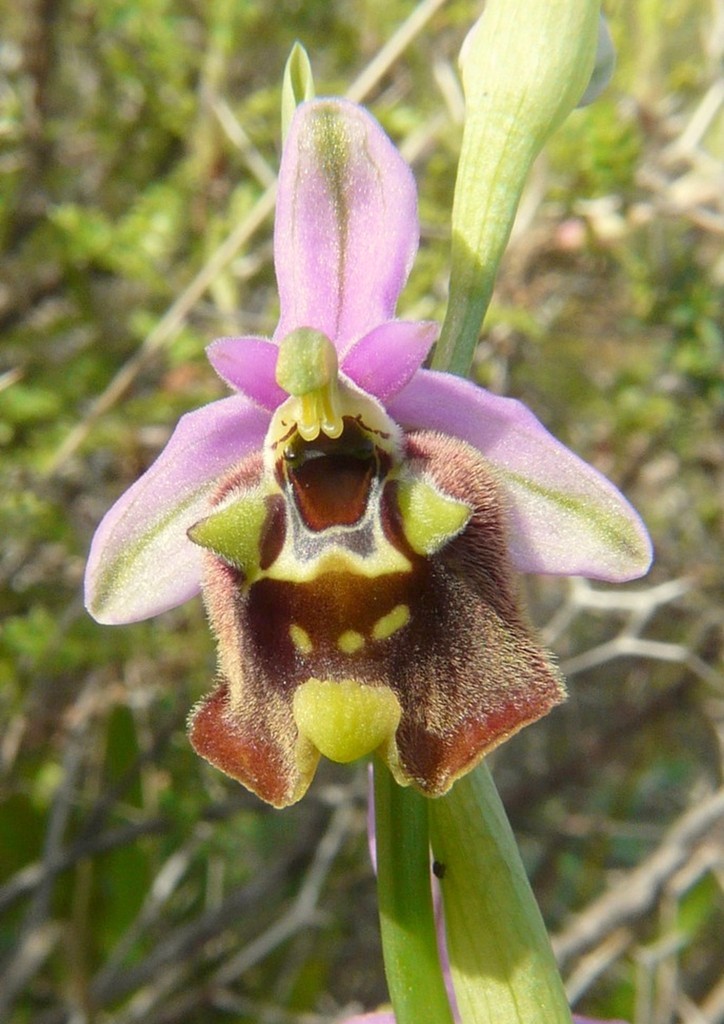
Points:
(141, 562)
(371, 1018)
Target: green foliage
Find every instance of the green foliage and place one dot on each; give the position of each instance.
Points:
(598, 150)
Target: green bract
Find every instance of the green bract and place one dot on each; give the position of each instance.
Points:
(525, 66)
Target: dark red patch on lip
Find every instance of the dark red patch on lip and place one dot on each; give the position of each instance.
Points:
(330, 478)
(219, 734)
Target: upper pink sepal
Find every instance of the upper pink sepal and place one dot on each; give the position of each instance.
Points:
(346, 227)
(141, 561)
(565, 517)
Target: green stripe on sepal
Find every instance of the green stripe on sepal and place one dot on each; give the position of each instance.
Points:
(116, 578)
(611, 528)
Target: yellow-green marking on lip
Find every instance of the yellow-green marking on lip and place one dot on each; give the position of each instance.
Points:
(392, 622)
(350, 641)
(301, 639)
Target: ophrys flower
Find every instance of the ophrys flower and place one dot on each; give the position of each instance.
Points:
(353, 519)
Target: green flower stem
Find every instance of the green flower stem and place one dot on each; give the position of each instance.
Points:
(407, 923)
(501, 961)
(525, 65)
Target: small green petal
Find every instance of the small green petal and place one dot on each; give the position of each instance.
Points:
(307, 361)
(234, 533)
(429, 518)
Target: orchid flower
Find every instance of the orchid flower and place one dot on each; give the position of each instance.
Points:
(353, 519)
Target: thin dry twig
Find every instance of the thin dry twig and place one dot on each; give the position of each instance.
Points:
(175, 953)
(712, 1005)
(303, 913)
(156, 983)
(164, 885)
(594, 964)
(641, 888)
(34, 947)
(38, 934)
(624, 646)
(639, 607)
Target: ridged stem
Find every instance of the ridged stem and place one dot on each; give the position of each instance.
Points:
(407, 922)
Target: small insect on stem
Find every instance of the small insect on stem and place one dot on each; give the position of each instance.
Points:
(438, 869)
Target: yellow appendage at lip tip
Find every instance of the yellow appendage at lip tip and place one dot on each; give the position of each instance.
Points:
(345, 720)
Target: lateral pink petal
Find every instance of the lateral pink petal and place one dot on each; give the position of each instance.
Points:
(248, 365)
(565, 517)
(384, 361)
(141, 561)
(346, 226)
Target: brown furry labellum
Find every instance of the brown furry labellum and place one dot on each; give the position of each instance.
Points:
(362, 599)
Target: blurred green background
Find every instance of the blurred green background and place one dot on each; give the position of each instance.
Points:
(136, 884)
